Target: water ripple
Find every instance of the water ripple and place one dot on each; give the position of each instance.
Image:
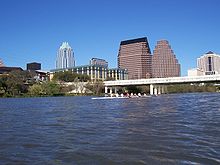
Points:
(169, 129)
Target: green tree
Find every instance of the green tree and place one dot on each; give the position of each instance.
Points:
(16, 82)
(84, 77)
(48, 88)
(3, 85)
(36, 90)
(96, 87)
(188, 88)
(133, 89)
(66, 76)
(51, 88)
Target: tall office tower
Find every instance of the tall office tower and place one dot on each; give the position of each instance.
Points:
(98, 61)
(209, 63)
(1, 63)
(135, 56)
(65, 57)
(164, 61)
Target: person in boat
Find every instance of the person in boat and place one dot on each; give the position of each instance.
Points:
(127, 94)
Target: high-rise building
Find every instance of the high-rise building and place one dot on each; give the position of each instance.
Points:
(164, 61)
(65, 57)
(98, 61)
(34, 66)
(1, 63)
(209, 63)
(135, 56)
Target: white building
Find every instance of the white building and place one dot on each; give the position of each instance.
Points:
(96, 72)
(65, 57)
(209, 63)
(195, 72)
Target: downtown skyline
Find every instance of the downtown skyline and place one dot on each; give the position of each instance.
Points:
(31, 31)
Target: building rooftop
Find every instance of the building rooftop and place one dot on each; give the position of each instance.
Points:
(34, 63)
(144, 39)
(5, 69)
(65, 45)
(84, 66)
(94, 58)
(75, 67)
(210, 52)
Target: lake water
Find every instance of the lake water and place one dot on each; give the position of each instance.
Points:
(168, 129)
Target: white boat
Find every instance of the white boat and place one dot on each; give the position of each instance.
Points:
(102, 98)
(107, 97)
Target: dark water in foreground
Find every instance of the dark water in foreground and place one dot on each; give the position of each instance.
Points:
(169, 129)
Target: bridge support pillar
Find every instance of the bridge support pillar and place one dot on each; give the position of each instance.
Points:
(159, 90)
(155, 90)
(106, 90)
(162, 89)
(116, 90)
(110, 90)
(151, 89)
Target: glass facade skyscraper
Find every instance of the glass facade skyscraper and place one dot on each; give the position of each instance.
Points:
(65, 57)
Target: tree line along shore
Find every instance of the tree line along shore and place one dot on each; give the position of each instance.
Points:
(24, 84)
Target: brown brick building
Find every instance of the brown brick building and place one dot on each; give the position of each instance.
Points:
(164, 61)
(135, 56)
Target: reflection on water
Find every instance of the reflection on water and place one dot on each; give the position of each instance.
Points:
(169, 129)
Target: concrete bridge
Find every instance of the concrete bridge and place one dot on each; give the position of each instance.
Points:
(157, 84)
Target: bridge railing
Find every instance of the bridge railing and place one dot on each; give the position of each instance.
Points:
(169, 80)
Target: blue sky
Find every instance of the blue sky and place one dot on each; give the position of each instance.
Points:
(33, 30)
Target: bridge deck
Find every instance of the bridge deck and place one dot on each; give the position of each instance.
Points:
(169, 80)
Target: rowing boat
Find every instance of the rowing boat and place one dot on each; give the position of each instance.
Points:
(103, 98)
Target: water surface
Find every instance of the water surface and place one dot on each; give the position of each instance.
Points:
(169, 129)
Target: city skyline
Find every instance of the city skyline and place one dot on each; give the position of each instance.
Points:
(31, 31)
